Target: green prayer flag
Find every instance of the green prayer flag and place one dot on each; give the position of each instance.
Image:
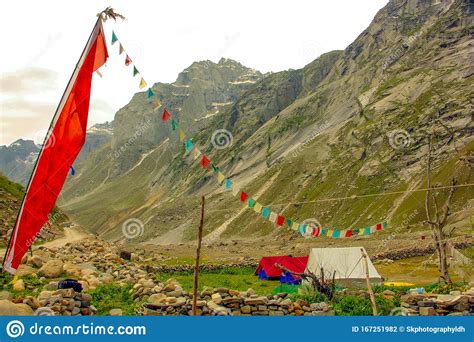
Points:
(135, 71)
(215, 168)
(114, 38)
(174, 125)
(289, 222)
(251, 202)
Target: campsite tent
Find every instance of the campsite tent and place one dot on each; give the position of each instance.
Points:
(347, 262)
(267, 270)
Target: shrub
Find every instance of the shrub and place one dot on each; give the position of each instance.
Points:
(113, 296)
(347, 305)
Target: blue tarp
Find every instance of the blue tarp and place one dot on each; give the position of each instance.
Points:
(287, 278)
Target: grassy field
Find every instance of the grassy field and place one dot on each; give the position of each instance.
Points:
(233, 278)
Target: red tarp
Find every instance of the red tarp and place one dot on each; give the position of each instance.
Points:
(65, 139)
(295, 264)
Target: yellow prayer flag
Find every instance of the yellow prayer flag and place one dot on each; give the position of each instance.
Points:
(220, 177)
(156, 104)
(329, 233)
(295, 226)
(196, 153)
(182, 135)
(235, 191)
(142, 83)
(257, 208)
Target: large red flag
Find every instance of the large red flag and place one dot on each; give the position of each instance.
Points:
(63, 143)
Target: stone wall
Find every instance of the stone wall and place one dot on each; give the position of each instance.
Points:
(456, 303)
(172, 300)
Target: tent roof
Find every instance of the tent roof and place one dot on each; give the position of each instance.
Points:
(346, 261)
(295, 264)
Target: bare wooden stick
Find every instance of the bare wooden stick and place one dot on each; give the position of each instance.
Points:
(369, 286)
(198, 254)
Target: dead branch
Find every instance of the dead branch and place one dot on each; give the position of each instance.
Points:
(318, 284)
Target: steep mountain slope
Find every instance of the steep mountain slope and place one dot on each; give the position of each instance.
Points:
(11, 195)
(313, 143)
(17, 160)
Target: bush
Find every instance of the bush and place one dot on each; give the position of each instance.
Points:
(308, 294)
(114, 296)
(396, 289)
(347, 305)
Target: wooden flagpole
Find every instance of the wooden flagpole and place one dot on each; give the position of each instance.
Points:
(369, 287)
(198, 254)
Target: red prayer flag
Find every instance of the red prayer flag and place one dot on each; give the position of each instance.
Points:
(166, 116)
(379, 227)
(243, 196)
(316, 231)
(280, 220)
(128, 61)
(64, 140)
(205, 162)
(348, 233)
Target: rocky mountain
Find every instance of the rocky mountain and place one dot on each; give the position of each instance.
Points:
(343, 140)
(17, 160)
(11, 195)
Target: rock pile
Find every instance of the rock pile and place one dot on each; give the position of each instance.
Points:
(64, 302)
(170, 299)
(456, 303)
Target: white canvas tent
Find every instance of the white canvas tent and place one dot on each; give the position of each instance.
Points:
(347, 262)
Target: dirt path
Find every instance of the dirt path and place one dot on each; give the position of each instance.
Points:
(72, 234)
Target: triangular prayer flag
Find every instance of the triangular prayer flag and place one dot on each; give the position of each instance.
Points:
(114, 38)
(188, 145)
(220, 177)
(128, 61)
(235, 191)
(251, 202)
(166, 116)
(228, 183)
(295, 226)
(266, 212)
(302, 228)
(215, 169)
(289, 222)
(150, 93)
(280, 220)
(205, 162)
(174, 125)
(142, 84)
(156, 104)
(121, 49)
(243, 196)
(273, 217)
(135, 71)
(182, 135)
(257, 208)
(196, 153)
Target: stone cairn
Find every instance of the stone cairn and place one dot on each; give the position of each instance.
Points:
(170, 299)
(456, 303)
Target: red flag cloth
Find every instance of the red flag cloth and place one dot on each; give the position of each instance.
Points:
(379, 227)
(280, 220)
(66, 136)
(316, 231)
(166, 116)
(349, 233)
(243, 196)
(205, 162)
(128, 61)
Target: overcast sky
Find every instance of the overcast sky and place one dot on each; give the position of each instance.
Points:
(42, 40)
